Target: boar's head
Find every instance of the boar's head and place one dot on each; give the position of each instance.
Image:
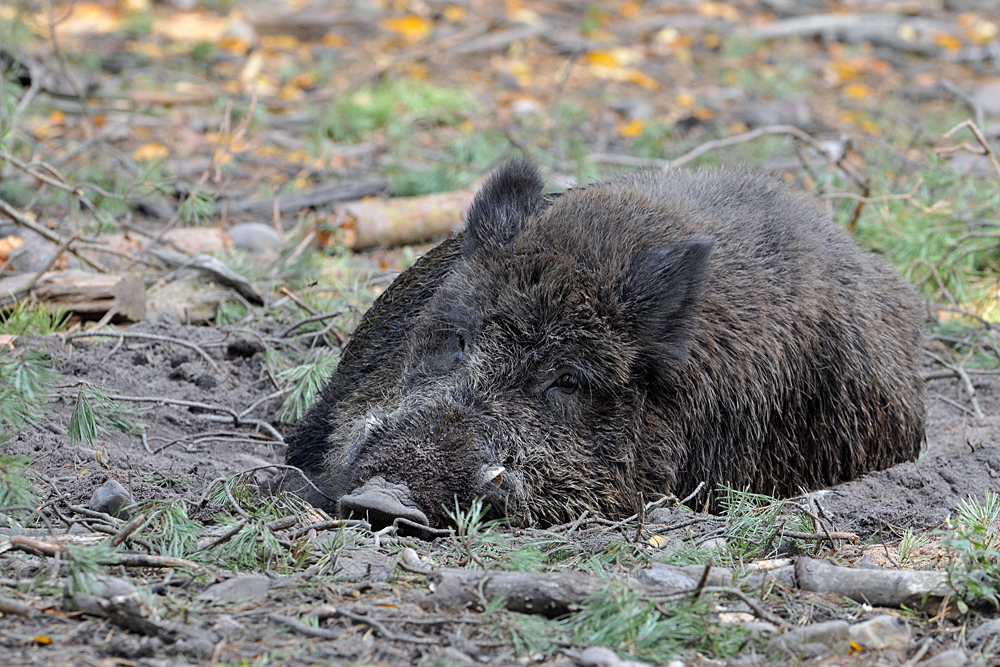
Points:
(530, 375)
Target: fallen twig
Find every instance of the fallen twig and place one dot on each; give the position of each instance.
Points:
(146, 336)
(881, 588)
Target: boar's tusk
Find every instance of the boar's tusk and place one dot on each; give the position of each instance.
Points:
(494, 474)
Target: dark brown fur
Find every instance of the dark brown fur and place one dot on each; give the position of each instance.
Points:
(719, 328)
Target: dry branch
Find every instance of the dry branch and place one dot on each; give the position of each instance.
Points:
(80, 292)
(881, 588)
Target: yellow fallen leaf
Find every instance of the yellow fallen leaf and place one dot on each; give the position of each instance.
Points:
(718, 10)
(454, 14)
(333, 39)
(657, 541)
(605, 58)
(251, 69)
(85, 18)
(633, 128)
(43, 640)
(906, 32)
(869, 126)
(411, 27)
(947, 41)
(684, 100)
(983, 32)
(856, 91)
(666, 36)
(711, 40)
(640, 78)
(150, 152)
(629, 9)
(195, 26)
(237, 46)
(9, 244)
(704, 113)
(279, 42)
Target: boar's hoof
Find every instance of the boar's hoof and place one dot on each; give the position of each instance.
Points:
(380, 503)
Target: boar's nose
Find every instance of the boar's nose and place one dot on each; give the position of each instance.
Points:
(381, 503)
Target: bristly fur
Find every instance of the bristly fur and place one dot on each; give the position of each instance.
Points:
(637, 336)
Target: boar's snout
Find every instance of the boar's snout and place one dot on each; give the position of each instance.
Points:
(381, 503)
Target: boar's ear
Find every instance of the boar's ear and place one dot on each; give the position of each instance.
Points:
(509, 195)
(666, 286)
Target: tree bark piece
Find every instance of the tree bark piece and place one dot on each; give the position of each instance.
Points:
(87, 294)
(551, 594)
(881, 588)
(403, 220)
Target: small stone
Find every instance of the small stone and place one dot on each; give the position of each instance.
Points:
(205, 381)
(983, 632)
(633, 108)
(244, 347)
(243, 588)
(226, 625)
(255, 237)
(813, 641)
(988, 97)
(111, 498)
(599, 656)
(882, 632)
(955, 657)
(109, 587)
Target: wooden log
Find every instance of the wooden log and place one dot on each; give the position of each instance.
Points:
(918, 589)
(90, 295)
(401, 220)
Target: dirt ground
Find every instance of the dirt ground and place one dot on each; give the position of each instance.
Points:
(184, 451)
(586, 90)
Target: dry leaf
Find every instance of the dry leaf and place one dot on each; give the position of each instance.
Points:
(8, 244)
(856, 91)
(150, 152)
(947, 41)
(633, 128)
(411, 27)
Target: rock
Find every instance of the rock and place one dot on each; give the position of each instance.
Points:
(633, 108)
(599, 656)
(987, 630)
(205, 382)
(882, 632)
(955, 657)
(988, 97)
(255, 237)
(812, 641)
(111, 498)
(243, 347)
(789, 111)
(242, 588)
(109, 587)
(360, 566)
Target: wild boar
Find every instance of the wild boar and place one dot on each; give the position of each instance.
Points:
(630, 338)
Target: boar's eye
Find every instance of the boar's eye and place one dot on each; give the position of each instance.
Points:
(567, 383)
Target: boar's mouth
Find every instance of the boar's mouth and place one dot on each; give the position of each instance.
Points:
(381, 503)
